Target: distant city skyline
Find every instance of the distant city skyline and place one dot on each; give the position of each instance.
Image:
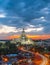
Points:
(33, 15)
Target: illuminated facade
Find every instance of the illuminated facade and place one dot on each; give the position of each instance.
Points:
(23, 40)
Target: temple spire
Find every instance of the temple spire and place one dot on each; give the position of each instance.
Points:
(23, 29)
(23, 32)
(23, 35)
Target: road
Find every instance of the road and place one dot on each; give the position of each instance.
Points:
(44, 59)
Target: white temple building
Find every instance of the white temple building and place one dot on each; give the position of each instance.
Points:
(24, 40)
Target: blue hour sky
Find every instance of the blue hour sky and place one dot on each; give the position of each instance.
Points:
(33, 15)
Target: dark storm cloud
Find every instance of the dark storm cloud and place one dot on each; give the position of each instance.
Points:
(20, 13)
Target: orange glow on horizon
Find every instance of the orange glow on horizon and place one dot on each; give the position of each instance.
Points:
(39, 36)
(35, 37)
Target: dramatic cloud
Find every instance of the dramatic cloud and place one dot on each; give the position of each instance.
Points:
(7, 29)
(2, 14)
(33, 15)
(34, 29)
(41, 19)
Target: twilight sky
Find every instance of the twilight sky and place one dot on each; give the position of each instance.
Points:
(33, 15)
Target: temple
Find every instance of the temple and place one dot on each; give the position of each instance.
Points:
(23, 35)
(23, 40)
